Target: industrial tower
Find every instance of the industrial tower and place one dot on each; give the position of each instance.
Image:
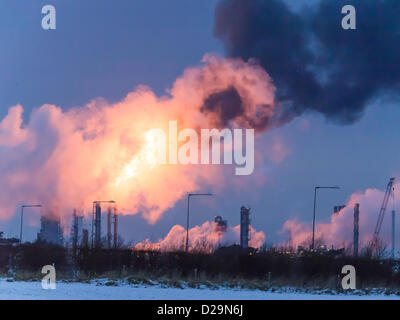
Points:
(97, 226)
(112, 218)
(355, 231)
(244, 226)
(393, 231)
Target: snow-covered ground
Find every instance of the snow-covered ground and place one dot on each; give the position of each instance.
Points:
(87, 291)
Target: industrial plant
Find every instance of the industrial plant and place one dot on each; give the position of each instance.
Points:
(91, 234)
(84, 245)
(91, 245)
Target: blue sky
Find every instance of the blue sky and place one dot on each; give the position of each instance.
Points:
(106, 48)
(100, 48)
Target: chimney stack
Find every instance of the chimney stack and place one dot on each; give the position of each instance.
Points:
(393, 231)
(115, 227)
(244, 227)
(356, 220)
(97, 225)
(75, 233)
(109, 227)
(85, 238)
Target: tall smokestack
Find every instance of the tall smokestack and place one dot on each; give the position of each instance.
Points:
(115, 226)
(109, 227)
(393, 231)
(75, 232)
(85, 238)
(356, 233)
(97, 226)
(244, 227)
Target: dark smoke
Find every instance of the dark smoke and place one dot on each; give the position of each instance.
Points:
(226, 104)
(315, 64)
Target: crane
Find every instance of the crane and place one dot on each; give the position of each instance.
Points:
(381, 215)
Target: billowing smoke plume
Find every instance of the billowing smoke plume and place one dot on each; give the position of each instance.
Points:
(339, 231)
(67, 159)
(204, 238)
(315, 63)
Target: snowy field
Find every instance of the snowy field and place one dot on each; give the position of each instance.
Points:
(88, 291)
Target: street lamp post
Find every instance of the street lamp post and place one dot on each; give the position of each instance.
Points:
(22, 217)
(187, 216)
(315, 202)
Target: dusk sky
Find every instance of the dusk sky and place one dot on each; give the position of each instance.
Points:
(107, 48)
